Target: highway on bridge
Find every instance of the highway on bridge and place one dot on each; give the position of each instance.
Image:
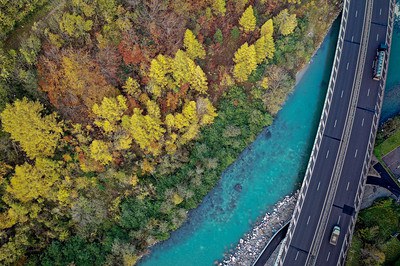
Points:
(336, 174)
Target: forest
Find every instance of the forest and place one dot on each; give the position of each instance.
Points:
(119, 116)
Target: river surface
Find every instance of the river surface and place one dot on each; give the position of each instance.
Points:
(270, 168)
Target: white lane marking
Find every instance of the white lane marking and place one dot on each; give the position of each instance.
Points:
(377, 37)
(327, 154)
(352, 38)
(335, 123)
(297, 254)
(362, 122)
(368, 92)
(338, 220)
(348, 184)
(327, 258)
(347, 67)
(308, 220)
(355, 154)
(380, 12)
(319, 183)
(356, 13)
(341, 95)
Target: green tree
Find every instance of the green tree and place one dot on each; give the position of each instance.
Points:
(218, 37)
(285, 22)
(75, 25)
(245, 62)
(248, 20)
(38, 135)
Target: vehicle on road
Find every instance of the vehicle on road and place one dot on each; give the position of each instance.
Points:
(335, 235)
(379, 60)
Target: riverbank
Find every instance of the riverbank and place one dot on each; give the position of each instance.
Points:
(252, 244)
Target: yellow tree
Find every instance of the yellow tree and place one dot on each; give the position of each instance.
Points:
(109, 112)
(218, 7)
(206, 111)
(248, 20)
(34, 182)
(38, 135)
(99, 151)
(285, 22)
(145, 130)
(131, 87)
(265, 48)
(184, 70)
(193, 48)
(159, 68)
(267, 28)
(245, 62)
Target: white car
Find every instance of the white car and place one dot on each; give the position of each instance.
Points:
(335, 235)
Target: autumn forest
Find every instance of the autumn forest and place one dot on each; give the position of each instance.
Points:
(118, 116)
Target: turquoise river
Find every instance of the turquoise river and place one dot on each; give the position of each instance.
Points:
(269, 169)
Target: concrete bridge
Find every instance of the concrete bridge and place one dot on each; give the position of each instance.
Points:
(334, 182)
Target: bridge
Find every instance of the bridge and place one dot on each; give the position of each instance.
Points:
(334, 182)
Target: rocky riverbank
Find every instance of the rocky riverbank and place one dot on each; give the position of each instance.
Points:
(250, 246)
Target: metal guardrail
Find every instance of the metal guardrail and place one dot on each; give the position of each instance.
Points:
(320, 130)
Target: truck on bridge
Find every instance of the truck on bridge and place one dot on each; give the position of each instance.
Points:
(379, 60)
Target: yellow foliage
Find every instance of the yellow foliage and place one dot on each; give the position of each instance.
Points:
(285, 22)
(38, 135)
(193, 48)
(177, 199)
(170, 146)
(153, 109)
(34, 182)
(206, 111)
(191, 133)
(131, 87)
(246, 62)
(248, 20)
(159, 68)
(267, 29)
(170, 121)
(145, 130)
(265, 48)
(123, 142)
(134, 180)
(109, 112)
(264, 83)
(99, 151)
(129, 259)
(218, 7)
(147, 167)
(8, 219)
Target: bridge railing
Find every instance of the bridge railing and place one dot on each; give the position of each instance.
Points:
(368, 155)
(320, 130)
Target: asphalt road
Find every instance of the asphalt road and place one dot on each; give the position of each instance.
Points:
(342, 208)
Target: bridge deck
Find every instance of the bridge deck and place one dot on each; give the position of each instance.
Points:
(336, 174)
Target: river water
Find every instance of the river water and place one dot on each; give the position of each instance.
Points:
(269, 169)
